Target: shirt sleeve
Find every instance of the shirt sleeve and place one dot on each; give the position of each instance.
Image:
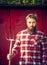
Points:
(44, 49)
(16, 46)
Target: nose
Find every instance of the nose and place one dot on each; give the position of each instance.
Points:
(31, 24)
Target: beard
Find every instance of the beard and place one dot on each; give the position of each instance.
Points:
(33, 30)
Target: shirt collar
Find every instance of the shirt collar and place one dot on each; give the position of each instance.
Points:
(27, 31)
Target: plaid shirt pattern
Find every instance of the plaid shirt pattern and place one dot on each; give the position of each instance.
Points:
(33, 48)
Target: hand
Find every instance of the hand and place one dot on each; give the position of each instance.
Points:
(9, 56)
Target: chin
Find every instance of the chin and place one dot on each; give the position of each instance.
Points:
(30, 29)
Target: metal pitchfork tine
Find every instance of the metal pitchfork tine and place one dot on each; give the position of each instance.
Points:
(10, 48)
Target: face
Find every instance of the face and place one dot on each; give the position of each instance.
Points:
(31, 23)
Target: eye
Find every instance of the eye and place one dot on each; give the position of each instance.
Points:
(34, 22)
(29, 22)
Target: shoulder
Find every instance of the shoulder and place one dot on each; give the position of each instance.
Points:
(22, 32)
(41, 34)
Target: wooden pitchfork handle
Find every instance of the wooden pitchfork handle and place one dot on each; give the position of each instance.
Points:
(10, 49)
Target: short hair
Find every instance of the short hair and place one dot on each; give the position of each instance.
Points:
(34, 16)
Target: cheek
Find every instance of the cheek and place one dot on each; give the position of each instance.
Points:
(34, 24)
(28, 24)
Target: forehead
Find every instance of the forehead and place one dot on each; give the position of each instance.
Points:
(31, 19)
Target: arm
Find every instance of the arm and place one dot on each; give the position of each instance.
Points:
(15, 49)
(44, 49)
(16, 46)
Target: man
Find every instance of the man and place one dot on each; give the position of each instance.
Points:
(31, 43)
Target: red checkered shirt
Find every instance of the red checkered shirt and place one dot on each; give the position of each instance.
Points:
(33, 48)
